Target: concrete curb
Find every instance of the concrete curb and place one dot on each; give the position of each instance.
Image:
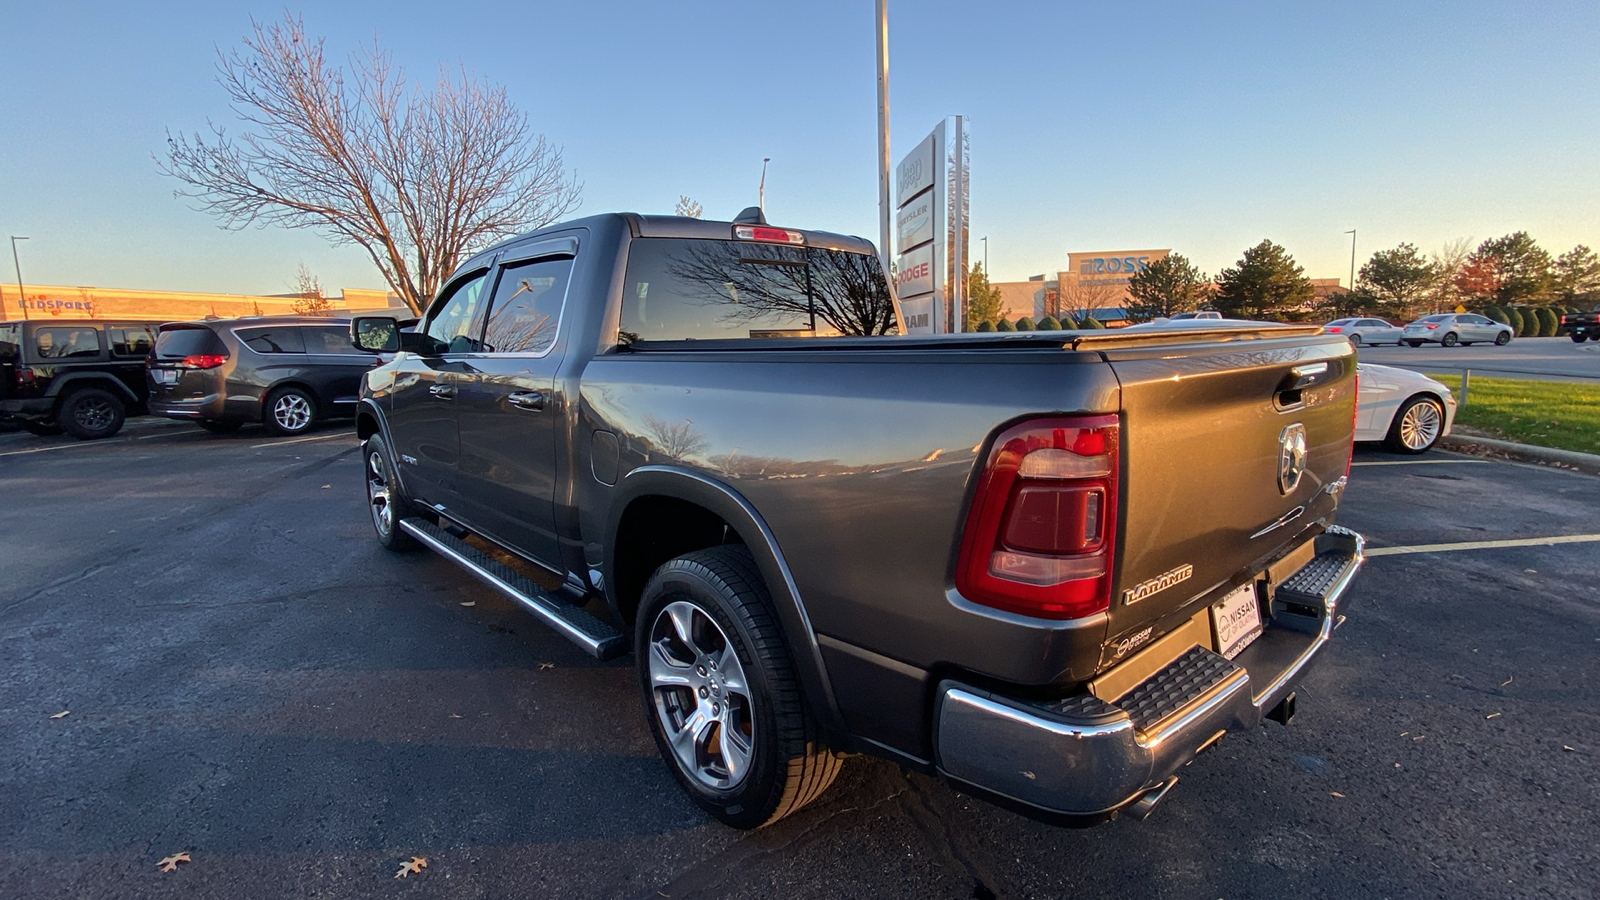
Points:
(1588, 463)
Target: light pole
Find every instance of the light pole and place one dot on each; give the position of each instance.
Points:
(884, 209)
(21, 301)
(761, 192)
(1352, 233)
(985, 240)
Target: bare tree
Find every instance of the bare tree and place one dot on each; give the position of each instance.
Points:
(687, 207)
(308, 290)
(1081, 297)
(416, 178)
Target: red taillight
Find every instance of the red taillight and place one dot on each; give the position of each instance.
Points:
(1040, 536)
(1333, 329)
(771, 235)
(1432, 325)
(203, 361)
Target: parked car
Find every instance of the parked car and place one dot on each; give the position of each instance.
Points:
(286, 372)
(1198, 314)
(83, 377)
(1366, 331)
(1056, 595)
(1450, 329)
(1582, 326)
(1408, 411)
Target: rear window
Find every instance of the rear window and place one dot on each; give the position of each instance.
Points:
(67, 343)
(132, 341)
(179, 342)
(1434, 319)
(684, 289)
(273, 339)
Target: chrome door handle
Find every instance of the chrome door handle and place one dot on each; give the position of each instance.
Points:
(531, 400)
(443, 391)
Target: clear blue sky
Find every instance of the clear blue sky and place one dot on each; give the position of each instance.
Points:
(1200, 127)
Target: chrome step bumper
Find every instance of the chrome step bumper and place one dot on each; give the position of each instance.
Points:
(1084, 758)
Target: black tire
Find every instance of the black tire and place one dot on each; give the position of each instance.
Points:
(721, 595)
(91, 414)
(220, 426)
(1502, 339)
(1413, 343)
(40, 427)
(1355, 339)
(1417, 426)
(1576, 339)
(1450, 340)
(386, 499)
(289, 411)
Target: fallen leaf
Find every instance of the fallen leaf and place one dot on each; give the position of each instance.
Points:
(326, 486)
(62, 714)
(1568, 749)
(1337, 794)
(414, 867)
(170, 864)
(1531, 571)
(1419, 737)
(547, 665)
(1508, 681)
(470, 603)
(1491, 715)
(1404, 733)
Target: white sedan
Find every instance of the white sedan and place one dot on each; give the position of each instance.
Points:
(1409, 412)
(1366, 331)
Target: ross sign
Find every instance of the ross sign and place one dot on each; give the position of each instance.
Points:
(931, 227)
(915, 173)
(914, 272)
(914, 222)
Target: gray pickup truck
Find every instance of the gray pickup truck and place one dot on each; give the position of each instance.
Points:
(1050, 567)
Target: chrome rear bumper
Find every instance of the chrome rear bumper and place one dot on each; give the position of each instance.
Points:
(1087, 758)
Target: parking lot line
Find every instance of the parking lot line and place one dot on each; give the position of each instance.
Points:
(319, 437)
(1423, 462)
(48, 449)
(1485, 545)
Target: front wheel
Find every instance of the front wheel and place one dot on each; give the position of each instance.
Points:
(721, 694)
(91, 414)
(1450, 340)
(1417, 427)
(385, 499)
(289, 411)
(1413, 343)
(1502, 339)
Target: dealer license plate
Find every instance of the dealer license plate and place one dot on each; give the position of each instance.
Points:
(166, 376)
(1237, 619)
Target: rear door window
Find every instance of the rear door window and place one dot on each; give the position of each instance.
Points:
(527, 307)
(131, 341)
(685, 289)
(273, 339)
(67, 343)
(329, 339)
(183, 341)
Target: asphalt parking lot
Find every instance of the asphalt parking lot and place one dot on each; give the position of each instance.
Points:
(206, 652)
(1544, 359)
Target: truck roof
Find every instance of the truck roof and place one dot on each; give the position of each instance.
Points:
(684, 227)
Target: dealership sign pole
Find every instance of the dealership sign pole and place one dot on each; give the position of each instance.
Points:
(884, 251)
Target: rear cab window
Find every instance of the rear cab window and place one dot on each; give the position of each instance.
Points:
(77, 342)
(131, 341)
(699, 289)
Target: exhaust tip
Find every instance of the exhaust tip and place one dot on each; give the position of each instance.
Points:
(1146, 803)
(1284, 711)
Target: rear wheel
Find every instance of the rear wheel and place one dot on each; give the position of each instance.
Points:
(1416, 427)
(40, 427)
(721, 693)
(289, 411)
(91, 414)
(1576, 339)
(386, 500)
(220, 426)
(1450, 340)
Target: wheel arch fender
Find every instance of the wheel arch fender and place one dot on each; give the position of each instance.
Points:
(73, 381)
(671, 483)
(370, 421)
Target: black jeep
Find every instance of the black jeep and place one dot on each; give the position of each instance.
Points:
(82, 377)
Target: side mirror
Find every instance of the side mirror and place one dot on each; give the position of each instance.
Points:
(375, 334)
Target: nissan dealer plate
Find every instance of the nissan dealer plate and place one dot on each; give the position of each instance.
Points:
(1237, 619)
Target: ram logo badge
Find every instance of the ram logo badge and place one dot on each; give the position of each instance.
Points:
(1157, 584)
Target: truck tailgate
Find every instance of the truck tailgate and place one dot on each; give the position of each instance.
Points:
(1204, 433)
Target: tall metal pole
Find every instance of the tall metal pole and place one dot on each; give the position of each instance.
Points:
(985, 240)
(21, 301)
(761, 192)
(1352, 233)
(885, 209)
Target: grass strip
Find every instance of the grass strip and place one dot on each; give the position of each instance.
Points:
(1560, 414)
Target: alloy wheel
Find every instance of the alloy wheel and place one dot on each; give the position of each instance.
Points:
(93, 413)
(380, 497)
(292, 412)
(1420, 426)
(701, 696)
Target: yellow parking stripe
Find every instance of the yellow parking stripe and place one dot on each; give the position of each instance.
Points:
(1484, 545)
